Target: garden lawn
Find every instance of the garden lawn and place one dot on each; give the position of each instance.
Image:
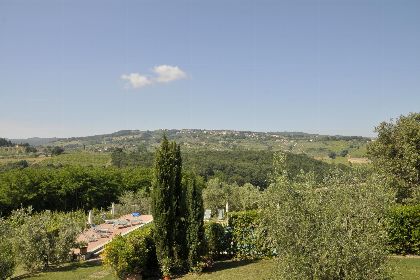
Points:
(82, 270)
(406, 268)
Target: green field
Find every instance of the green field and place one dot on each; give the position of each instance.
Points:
(68, 158)
(406, 268)
(79, 158)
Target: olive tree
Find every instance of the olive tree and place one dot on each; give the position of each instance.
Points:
(396, 155)
(134, 201)
(333, 230)
(45, 238)
(217, 193)
(7, 256)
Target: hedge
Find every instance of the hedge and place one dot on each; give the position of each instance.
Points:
(404, 229)
(132, 254)
(218, 240)
(249, 236)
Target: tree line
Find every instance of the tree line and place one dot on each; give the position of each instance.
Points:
(68, 188)
(6, 143)
(239, 166)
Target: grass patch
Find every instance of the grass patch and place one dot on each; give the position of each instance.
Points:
(82, 270)
(244, 270)
(406, 268)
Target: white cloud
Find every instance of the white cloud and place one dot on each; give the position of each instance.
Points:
(167, 73)
(163, 74)
(135, 80)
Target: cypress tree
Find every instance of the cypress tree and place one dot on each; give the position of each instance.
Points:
(163, 206)
(195, 230)
(180, 212)
(169, 208)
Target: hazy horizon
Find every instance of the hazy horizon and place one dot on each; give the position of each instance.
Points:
(107, 133)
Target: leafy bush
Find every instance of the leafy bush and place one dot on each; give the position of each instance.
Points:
(333, 230)
(404, 230)
(132, 254)
(57, 151)
(45, 238)
(218, 240)
(7, 257)
(7, 260)
(249, 235)
(244, 238)
(395, 153)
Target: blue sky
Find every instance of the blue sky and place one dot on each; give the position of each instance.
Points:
(74, 68)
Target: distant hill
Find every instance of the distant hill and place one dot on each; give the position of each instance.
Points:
(315, 145)
(35, 141)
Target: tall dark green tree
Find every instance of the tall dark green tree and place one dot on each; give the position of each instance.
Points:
(118, 157)
(169, 207)
(180, 209)
(195, 231)
(162, 205)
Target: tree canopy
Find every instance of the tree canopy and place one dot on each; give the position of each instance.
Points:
(5, 143)
(396, 155)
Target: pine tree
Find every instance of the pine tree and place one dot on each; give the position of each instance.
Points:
(195, 230)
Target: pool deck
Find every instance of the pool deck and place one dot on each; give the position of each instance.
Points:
(98, 241)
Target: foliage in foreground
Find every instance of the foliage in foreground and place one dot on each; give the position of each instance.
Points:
(195, 229)
(250, 238)
(45, 238)
(132, 254)
(169, 209)
(218, 240)
(404, 229)
(328, 231)
(396, 155)
(177, 208)
(7, 256)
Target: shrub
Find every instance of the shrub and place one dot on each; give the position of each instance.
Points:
(57, 151)
(132, 254)
(7, 257)
(249, 236)
(218, 240)
(45, 238)
(404, 229)
(7, 260)
(330, 231)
